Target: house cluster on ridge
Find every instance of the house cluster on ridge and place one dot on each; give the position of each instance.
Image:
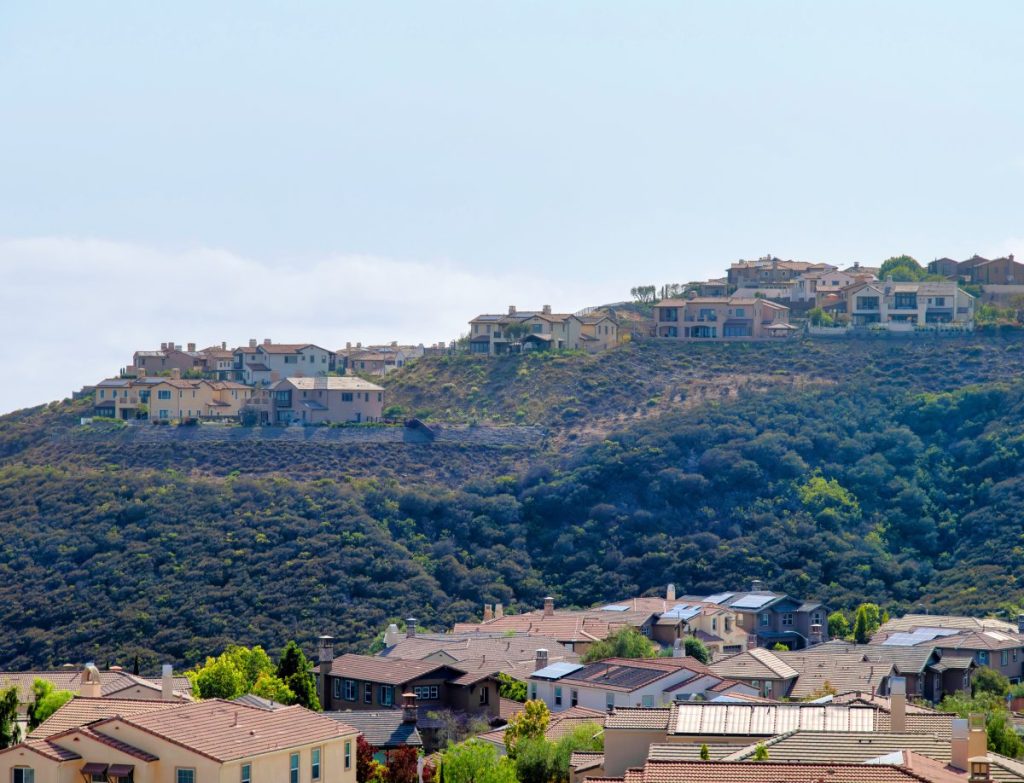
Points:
(538, 330)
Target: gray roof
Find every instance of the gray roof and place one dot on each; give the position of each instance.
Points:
(382, 729)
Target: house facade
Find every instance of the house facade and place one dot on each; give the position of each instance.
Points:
(769, 271)
(495, 335)
(321, 400)
(774, 618)
(176, 399)
(598, 333)
(714, 319)
(169, 357)
(260, 364)
(909, 305)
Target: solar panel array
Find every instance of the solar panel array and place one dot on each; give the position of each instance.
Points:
(614, 608)
(918, 636)
(682, 612)
(752, 601)
(556, 670)
(719, 598)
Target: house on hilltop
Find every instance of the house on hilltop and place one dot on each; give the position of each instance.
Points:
(721, 319)
(320, 400)
(498, 334)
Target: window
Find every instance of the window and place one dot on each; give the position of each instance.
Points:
(668, 314)
(905, 302)
(609, 700)
(740, 313)
(648, 701)
(766, 619)
(387, 695)
(867, 302)
(314, 764)
(291, 360)
(164, 413)
(767, 687)
(728, 624)
(574, 697)
(367, 693)
(1004, 657)
(983, 657)
(246, 776)
(346, 396)
(102, 394)
(184, 775)
(163, 394)
(787, 618)
(485, 695)
(336, 688)
(293, 768)
(23, 775)
(714, 623)
(538, 328)
(558, 695)
(816, 618)
(348, 754)
(349, 690)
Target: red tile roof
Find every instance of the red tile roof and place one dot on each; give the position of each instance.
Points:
(390, 671)
(676, 771)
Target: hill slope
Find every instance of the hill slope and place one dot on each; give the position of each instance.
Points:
(884, 471)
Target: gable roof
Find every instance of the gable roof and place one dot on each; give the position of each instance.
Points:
(698, 718)
(223, 731)
(81, 711)
(682, 771)
(754, 664)
(841, 671)
(328, 383)
(389, 671)
(381, 728)
(630, 674)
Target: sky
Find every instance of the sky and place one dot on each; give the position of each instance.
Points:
(332, 171)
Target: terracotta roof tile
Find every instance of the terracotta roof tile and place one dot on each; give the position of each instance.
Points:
(81, 711)
(384, 670)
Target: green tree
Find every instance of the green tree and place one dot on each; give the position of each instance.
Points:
(705, 753)
(474, 761)
(695, 648)
(819, 317)
(46, 700)
(838, 625)
(231, 674)
(867, 620)
(8, 716)
(760, 752)
(530, 723)
(270, 687)
(625, 643)
(988, 680)
(1001, 737)
(511, 688)
(903, 268)
(535, 760)
(644, 294)
(296, 672)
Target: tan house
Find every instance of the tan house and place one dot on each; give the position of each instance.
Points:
(260, 364)
(176, 399)
(186, 743)
(517, 330)
(598, 333)
(892, 305)
(718, 319)
(169, 357)
(769, 271)
(321, 400)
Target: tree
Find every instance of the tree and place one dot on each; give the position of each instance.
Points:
(988, 680)
(530, 723)
(780, 647)
(535, 760)
(270, 687)
(511, 688)
(366, 766)
(296, 672)
(695, 648)
(705, 753)
(838, 625)
(8, 716)
(866, 621)
(903, 269)
(819, 317)
(402, 765)
(760, 752)
(46, 700)
(644, 294)
(475, 762)
(625, 643)
(231, 674)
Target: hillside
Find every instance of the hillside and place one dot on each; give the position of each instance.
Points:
(883, 471)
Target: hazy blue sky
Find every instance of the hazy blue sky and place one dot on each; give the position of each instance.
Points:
(336, 171)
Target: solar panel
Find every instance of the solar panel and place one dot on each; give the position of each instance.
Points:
(556, 670)
(682, 612)
(614, 608)
(902, 640)
(752, 601)
(719, 598)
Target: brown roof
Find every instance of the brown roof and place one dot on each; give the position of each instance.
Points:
(584, 625)
(842, 671)
(43, 747)
(390, 671)
(845, 747)
(770, 772)
(755, 664)
(81, 711)
(223, 731)
(638, 718)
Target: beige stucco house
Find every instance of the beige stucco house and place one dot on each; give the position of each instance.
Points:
(260, 364)
(598, 333)
(177, 399)
(196, 742)
(718, 319)
(332, 399)
(497, 334)
(891, 304)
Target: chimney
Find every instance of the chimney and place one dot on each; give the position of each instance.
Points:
(392, 635)
(981, 769)
(410, 628)
(751, 641)
(191, 347)
(176, 373)
(670, 592)
(90, 682)
(816, 633)
(488, 613)
(266, 341)
(252, 342)
(511, 309)
(540, 659)
(1020, 623)
(546, 309)
(898, 704)
(755, 586)
(394, 343)
(977, 737)
(549, 606)
(163, 346)
(223, 345)
(167, 683)
(499, 611)
(678, 651)
(959, 744)
(409, 708)
(325, 657)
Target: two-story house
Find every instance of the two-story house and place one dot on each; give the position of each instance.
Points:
(769, 271)
(717, 319)
(260, 364)
(169, 357)
(321, 400)
(192, 742)
(907, 305)
(367, 682)
(774, 618)
(497, 334)
(598, 333)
